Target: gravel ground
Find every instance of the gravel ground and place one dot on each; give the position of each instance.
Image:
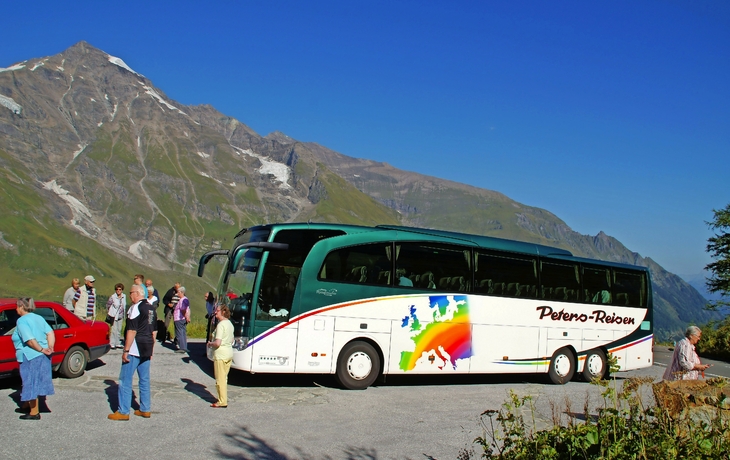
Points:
(273, 416)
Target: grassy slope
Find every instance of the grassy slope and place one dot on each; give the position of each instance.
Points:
(39, 257)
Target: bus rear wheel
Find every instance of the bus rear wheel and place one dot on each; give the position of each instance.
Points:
(562, 366)
(595, 365)
(358, 365)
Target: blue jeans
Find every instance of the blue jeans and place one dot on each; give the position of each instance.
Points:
(142, 366)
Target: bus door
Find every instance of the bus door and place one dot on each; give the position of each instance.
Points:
(274, 332)
(274, 338)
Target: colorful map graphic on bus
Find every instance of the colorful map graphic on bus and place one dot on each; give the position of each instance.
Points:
(445, 335)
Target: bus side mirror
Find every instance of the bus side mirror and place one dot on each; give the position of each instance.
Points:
(206, 258)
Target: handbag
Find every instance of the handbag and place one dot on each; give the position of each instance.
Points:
(109, 320)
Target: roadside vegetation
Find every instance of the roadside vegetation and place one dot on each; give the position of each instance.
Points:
(625, 426)
(715, 341)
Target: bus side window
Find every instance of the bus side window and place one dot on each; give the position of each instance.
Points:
(560, 281)
(629, 288)
(596, 285)
(506, 274)
(363, 264)
(433, 266)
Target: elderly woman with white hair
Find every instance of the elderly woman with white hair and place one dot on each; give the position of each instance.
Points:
(34, 341)
(181, 316)
(686, 364)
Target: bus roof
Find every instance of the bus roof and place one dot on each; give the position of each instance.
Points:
(487, 242)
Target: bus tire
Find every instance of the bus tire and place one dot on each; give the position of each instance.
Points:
(595, 365)
(562, 366)
(358, 365)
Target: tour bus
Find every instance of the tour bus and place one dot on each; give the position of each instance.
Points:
(361, 302)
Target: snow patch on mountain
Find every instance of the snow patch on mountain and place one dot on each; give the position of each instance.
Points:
(280, 171)
(81, 149)
(81, 214)
(208, 176)
(38, 64)
(12, 67)
(117, 61)
(11, 104)
(159, 98)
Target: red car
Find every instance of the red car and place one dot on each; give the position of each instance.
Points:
(77, 342)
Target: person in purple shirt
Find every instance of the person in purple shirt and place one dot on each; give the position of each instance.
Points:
(181, 316)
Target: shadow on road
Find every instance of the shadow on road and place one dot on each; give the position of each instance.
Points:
(244, 444)
(199, 390)
(112, 394)
(245, 379)
(240, 378)
(198, 357)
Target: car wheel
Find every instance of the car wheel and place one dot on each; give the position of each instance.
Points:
(74, 363)
(562, 366)
(595, 365)
(358, 366)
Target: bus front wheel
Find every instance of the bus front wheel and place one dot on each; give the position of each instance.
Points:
(358, 366)
(562, 366)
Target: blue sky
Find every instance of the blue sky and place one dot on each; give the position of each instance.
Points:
(615, 116)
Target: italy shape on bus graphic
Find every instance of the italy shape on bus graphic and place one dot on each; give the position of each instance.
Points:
(445, 334)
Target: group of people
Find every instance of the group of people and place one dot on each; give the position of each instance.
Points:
(139, 338)
(34, 340)
(81, 301)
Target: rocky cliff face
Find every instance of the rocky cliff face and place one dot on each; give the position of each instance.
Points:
(93, 155)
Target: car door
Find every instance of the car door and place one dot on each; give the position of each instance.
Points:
(8, 317)
(64, 334)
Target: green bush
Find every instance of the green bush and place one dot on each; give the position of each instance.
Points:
(624, 428)
(715, 342)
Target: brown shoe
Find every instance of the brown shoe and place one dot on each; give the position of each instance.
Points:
(142, 414)
(118, 416)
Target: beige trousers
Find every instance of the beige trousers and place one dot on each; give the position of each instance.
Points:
(221, 368)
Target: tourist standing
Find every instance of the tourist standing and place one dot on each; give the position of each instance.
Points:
(68, 296)
(222, 354)
(169, 301)
(34, 340)
(139, 343)
(116, 307)
(85, 300)
(181, 317)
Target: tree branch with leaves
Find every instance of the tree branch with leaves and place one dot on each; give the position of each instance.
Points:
(719, 248)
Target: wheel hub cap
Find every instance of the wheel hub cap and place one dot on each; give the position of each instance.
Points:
(359, 365)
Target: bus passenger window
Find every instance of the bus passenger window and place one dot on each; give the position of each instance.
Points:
(433, 266)
(505, 274)
(560, 281)
(363, 264)
(629, 289)
(596, 285)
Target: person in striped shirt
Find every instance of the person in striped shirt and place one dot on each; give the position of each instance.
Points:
(85, 299)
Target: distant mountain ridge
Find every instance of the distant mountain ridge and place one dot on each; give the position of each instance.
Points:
(101, 171)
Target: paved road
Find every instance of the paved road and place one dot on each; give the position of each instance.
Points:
(272, 417)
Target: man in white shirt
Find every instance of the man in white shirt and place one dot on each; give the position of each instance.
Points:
(68, 297)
